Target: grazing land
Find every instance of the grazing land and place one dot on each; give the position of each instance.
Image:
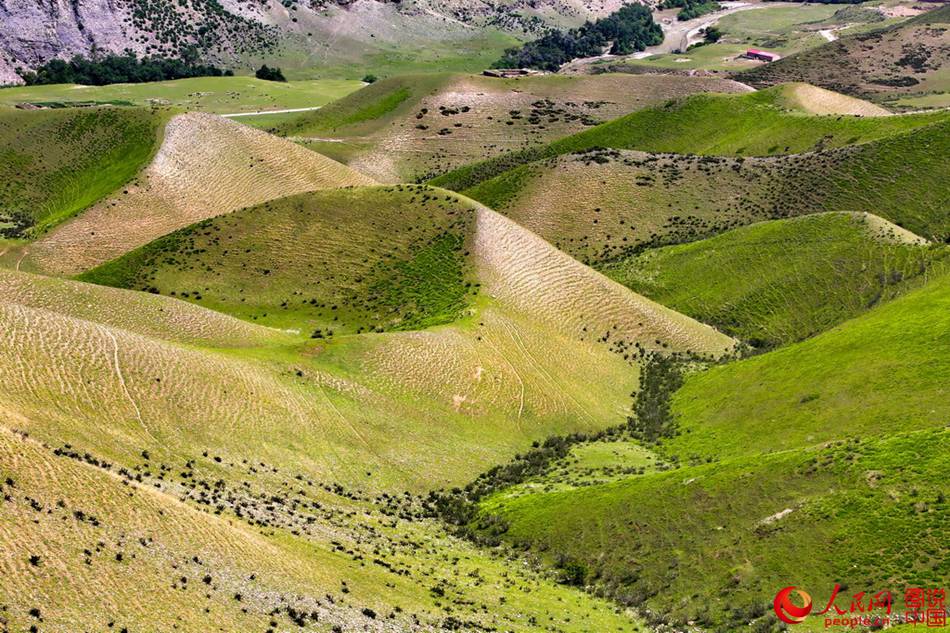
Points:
(569, 352)
(415, 127)
(218, 95)
(56, 163)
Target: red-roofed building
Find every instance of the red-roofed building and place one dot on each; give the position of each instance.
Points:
(754, 53)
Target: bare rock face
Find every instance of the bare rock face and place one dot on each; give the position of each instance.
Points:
(220, 31)
(34, 31)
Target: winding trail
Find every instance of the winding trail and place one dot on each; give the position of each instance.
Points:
(125, 388)
(258, 112)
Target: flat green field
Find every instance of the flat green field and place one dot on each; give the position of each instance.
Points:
(218, 95)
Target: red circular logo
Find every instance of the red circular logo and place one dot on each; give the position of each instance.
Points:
(789, 612)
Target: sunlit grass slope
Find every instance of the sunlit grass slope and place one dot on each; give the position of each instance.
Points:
(785, 280)
(605, 205)
(413, 127)
(821, 462)
(206, 166)
(338, 261)
(751, 124)
(54, 163)
(712, 544)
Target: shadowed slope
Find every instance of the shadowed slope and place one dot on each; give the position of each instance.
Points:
(206, 166)
(54, 163)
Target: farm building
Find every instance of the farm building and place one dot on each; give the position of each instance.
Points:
(510, 72)
(754, 53)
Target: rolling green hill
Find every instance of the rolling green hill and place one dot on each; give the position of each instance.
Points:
(752, 124)
(604, 205)
(786, 280)
(54, 163)
(822, 460)
(390, 258)
(412, 127)
(339, 261)
(206, 166)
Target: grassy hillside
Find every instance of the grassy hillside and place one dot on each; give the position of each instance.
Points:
(205, 166)
(121, 546)
(413, 127)
(782, 281)
(812, 398)
(712, 544)
(752, 124)
(53, 164)
(334, 262)
(392, 258)
(792, 467)
(903, 60)
(605, 205)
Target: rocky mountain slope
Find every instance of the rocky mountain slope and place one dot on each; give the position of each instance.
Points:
(232, 31)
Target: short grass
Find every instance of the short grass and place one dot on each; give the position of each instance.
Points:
(332, 262)
(206, 166)
(823, 462)
(372, 106)
(218, 95)
(57, 162)
(751, 124)
(712, 544)
(335, 57)
(782, 281)
(412, 127)
(167, 560)
(602, 206)
(882, 372)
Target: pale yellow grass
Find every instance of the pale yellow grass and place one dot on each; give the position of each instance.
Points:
(522, 271)
(403, 151)
(139, 312)
(206, 166)
(815, 100)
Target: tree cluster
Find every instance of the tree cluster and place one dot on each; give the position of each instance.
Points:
(629, 29)
(267, 73)
(691, 8)
(100, 70)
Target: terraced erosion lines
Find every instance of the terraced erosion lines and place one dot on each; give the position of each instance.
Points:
(815, 100)
(125, 388)
(524, 272)
(142, 313)
(205, 167)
